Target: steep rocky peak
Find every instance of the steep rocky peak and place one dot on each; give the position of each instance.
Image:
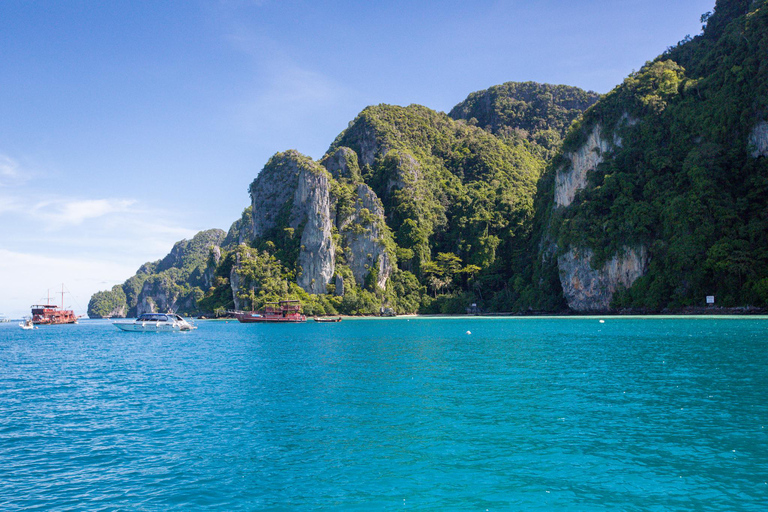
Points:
(343, 164)
(192, 251)
(275, 186)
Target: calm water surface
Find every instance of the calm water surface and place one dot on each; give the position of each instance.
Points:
(396, 414)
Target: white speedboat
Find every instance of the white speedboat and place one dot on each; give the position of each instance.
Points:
(156, 322)
(27, 324)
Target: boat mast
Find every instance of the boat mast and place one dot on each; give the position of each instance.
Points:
(62, 295)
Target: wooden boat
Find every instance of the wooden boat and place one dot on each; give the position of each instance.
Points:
(51, 314)
(326, 320)
(285, 311)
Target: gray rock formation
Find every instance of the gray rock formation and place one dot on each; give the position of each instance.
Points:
(293, 189)
(160, 295)
(404, 171)
(234, 282)
(273, 189)
(573, 177)
(343, 164)
(758, 140)
(311, 207)
(587, 289)
(363, 235)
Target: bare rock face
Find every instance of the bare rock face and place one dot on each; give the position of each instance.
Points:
(343, 164)
(363, 235)
(404, 171)
(209, 272)
(758, 140)
(234, 282)
(160, 295)
(573, 177)
(294, 184)
(273, 188)
(311, 207)
(587, 289)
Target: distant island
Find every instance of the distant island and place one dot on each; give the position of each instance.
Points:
(525, 198)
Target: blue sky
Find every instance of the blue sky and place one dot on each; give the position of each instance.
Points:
(126, 126)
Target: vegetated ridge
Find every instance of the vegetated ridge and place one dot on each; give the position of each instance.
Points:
(526, 197)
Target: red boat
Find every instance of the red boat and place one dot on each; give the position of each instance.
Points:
(283, 311)
(51, 314)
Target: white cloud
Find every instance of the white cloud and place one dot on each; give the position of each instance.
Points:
(10, 172)
(64, 211)
(286, 97)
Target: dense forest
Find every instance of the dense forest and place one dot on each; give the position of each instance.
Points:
(526, 197)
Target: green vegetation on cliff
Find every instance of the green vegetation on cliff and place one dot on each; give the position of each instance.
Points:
(684, 182)
(540, 113)
(521, 198)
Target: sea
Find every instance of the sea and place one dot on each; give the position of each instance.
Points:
(408, 413)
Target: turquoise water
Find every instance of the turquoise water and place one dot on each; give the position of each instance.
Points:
(396, 414)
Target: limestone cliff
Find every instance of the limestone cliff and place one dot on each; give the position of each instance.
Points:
(584, 287)
(161, 294)
(273, 190)
(363, 238)
(292, 193)
(588, 289)
(573, 177)
(758, 140)
(311, 209)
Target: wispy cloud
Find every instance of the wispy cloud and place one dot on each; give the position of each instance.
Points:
(10, 172)
(73, 212)
(286, 96)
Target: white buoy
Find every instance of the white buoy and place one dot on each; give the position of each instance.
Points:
(602, 321)
(469, 332)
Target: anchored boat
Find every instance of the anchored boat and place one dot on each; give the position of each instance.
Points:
(285, 311)
(51, 314)
(156, 322)
(326, 320)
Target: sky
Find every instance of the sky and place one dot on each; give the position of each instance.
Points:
(128, 126)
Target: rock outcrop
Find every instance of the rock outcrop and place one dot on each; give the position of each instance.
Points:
(273, 189)
(587, 289)
(573, 177)
(311, 209)
(343, 165)
(292, 191)
(363, 235)
(758, 140)
(160, 294)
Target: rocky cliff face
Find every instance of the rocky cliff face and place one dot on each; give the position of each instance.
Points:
(311, 208)
(588, 289)
(343, 165)
(573, 177)
(758, 140)
(273, 189)
(293, 191)
(363, 235)
(160, 295)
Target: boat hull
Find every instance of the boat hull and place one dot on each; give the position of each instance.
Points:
(150, 327)
(251, 319)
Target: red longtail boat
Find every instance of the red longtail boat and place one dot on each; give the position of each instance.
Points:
(285, 311)
(51, 314)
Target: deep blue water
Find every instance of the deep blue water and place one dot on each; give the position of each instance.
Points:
(396, 414)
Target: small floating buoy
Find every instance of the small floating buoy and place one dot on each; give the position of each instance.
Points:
(602, 321)
(469, 332)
